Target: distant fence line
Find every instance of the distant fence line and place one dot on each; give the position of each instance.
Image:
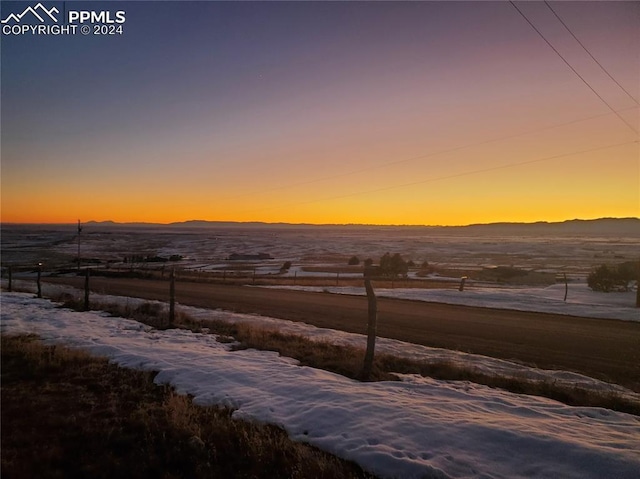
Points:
(12, 272)
(231, 275)
(239, 276)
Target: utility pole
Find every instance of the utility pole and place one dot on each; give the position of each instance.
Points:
(79, 231)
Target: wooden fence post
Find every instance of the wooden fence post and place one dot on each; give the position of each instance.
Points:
(86, 290)
(463, 280)
(638, 288)
(566, 287)
(371, 330)
(172, 297)
(79, 231)
(38, 280)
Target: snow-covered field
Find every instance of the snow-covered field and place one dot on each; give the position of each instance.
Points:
(581, 300)
(415, 428)
(207, 249)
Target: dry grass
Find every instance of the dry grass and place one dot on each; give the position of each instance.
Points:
(348, 361)
(66, 414)
(573, 396)
(344, 360)
(151, 313)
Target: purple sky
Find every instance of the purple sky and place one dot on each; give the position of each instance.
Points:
(325, 112)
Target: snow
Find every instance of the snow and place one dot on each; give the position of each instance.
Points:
(415, 428)
(300, 272)
(581, 300)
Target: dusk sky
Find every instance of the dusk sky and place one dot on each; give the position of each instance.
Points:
(438, 113)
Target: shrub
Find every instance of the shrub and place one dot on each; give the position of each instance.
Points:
(353, 261)
(393, 266)
(607, 278)
(285, 267)
(426, 268)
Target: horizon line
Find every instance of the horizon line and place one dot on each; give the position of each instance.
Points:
(284, 223)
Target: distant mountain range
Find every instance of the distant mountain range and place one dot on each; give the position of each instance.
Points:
(597, 227)
(602, 226)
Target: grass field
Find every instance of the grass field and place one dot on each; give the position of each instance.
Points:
(67, 414)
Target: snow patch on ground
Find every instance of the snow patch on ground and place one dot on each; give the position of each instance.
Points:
(581, 301)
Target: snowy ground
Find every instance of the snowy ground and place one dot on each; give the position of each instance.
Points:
(416, 428)
(581, 301)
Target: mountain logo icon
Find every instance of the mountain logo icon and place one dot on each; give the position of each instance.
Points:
(40, 12)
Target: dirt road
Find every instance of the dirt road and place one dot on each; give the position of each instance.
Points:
(605, 349)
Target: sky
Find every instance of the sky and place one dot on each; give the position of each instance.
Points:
(437, 113)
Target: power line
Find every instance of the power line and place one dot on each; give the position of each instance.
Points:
(423, 156)
(588, 52)
(451, 150)
(448, 177)
(458, 148)
(572, 69)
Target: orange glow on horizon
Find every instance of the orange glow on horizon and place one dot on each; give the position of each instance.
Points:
(602, 183)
